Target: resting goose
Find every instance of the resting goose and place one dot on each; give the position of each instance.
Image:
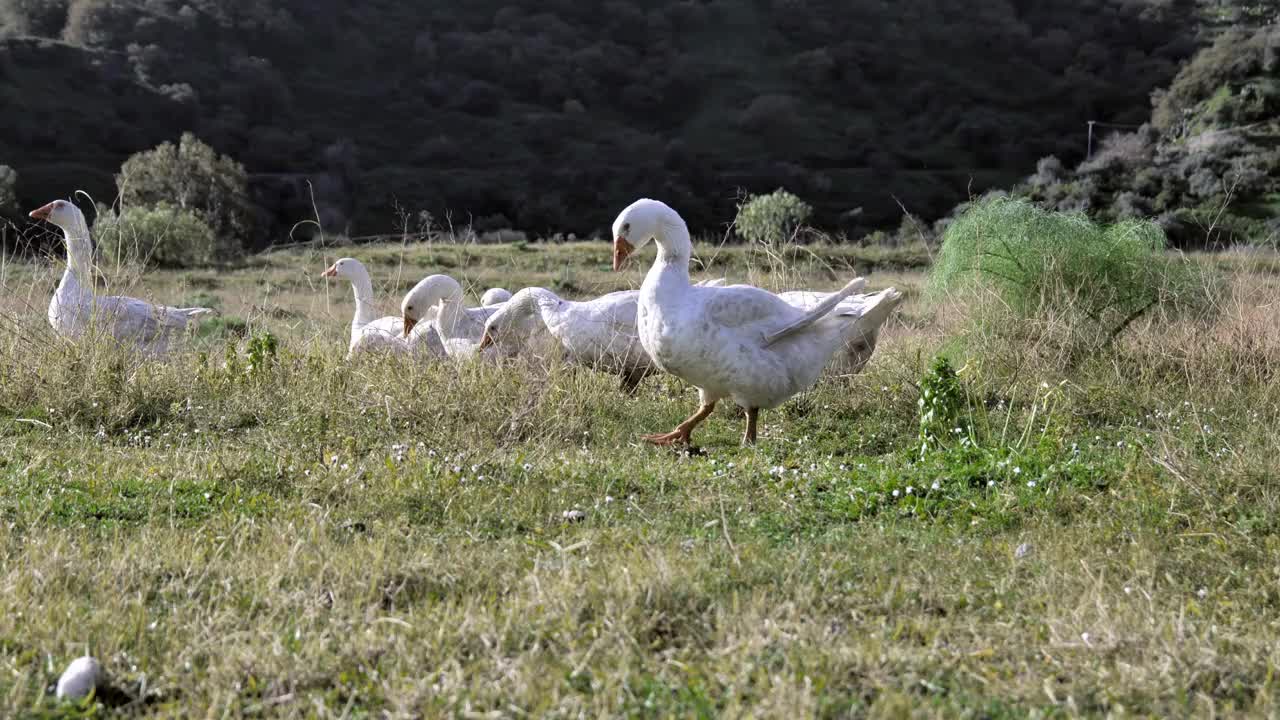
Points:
(737, 342)
(599, 333)
(495, 296)
(74, 308)
(460, 328)
(369, 333)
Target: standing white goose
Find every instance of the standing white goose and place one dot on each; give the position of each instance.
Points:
(599, 333)
(738, 342)
(74, 308)
(369, 333)
(460, 328)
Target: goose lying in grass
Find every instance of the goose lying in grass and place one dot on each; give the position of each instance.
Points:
(370, 333)
(737, 342)
(495, 296)
(75, 308)
(460, 328)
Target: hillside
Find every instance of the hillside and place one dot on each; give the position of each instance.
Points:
(1206, 162)
(551, 115)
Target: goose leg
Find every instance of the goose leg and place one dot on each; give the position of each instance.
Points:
(749, 437)
(683, 430)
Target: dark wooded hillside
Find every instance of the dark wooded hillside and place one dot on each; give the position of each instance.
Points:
(551, 114)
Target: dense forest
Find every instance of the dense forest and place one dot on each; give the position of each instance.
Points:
(549, 115)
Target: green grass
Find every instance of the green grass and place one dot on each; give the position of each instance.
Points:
(313, 538)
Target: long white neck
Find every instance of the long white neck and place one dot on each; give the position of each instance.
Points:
(675, 249)
(79, 252)
(450, 313)
(544, 302)
(363, 289)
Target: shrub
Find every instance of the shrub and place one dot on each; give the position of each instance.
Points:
(771, 219)
(1093, 280)
(8, 189)
(162, 235)
(191, 176)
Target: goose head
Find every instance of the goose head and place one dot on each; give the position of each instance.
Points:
(512, 318)
(430, 292)
(636, 225)
(61, 213)
(349, 268)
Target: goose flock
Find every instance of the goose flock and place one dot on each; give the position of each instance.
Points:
(737, 342)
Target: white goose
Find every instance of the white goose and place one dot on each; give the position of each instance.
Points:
(599, 333)
(370, 333)
(738, 342)
(857, 351)
(74, 308)
(460, 328)
(495, 296)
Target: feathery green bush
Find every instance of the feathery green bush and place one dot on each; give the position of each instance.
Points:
(1094, 279)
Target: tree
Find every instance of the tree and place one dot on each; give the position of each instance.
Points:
(192, 177)
(8, 189)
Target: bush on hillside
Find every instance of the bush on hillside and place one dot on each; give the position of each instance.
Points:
(8, 190)
(1093, 280)
(771, 219)
(194, 178)
(163, 235)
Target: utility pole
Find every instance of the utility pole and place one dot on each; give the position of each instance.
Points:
(1089, 152)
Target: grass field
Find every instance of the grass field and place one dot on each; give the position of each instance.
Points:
(236, 532)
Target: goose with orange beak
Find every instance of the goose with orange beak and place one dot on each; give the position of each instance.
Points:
(75, 309)
(738, 342)
(435, 305)
(369, 333)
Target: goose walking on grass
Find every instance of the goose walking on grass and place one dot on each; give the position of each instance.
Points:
(737, 342)
(370, 333)
(75, 308)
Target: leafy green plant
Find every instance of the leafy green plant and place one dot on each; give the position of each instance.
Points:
(771, 219)
(943, 406)
(262, 353)
(163, 235)
(193, 177)
(8, 189)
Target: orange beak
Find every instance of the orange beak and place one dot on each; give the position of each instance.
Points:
(486, 341)
(331, 272)
(408, 324)
(42, 213)
(621, 250)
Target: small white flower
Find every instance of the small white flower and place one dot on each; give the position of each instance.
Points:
(991, 483)
(346, 466)
(608, 499)
(936, 485)
(910, 489)
(1017, 471)
(527, 467)
(1031, 483)
(895, 493)
(457, 468)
